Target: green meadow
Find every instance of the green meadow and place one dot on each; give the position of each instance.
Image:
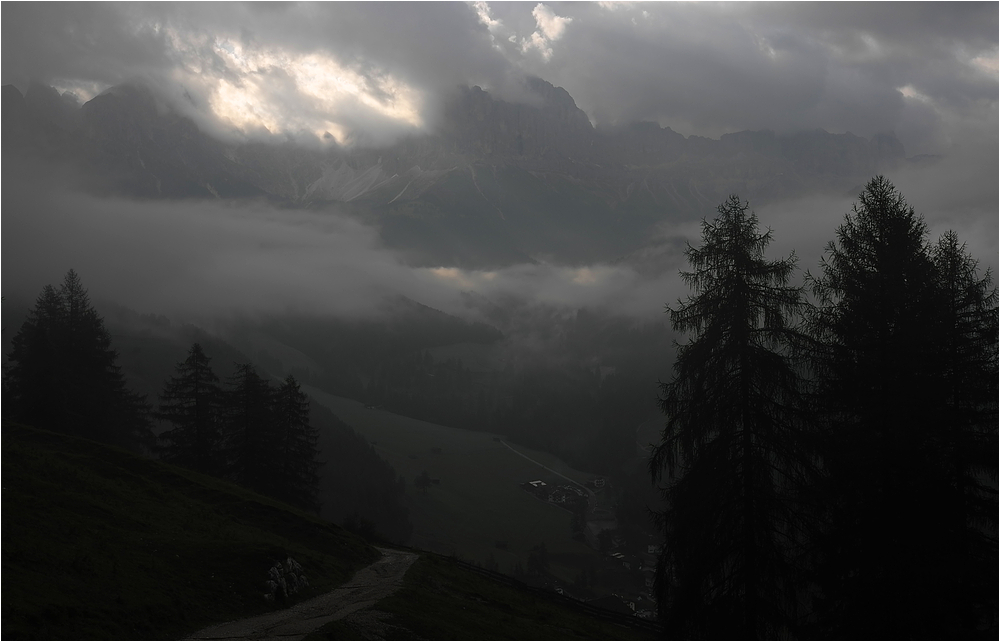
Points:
(479, 501)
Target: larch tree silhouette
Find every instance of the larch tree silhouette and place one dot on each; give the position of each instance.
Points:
(730, 454)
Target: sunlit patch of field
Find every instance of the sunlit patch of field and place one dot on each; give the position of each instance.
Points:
(478, 502)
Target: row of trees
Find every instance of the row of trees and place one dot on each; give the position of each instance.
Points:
(64, 376)
(250, 432)
(830, 464)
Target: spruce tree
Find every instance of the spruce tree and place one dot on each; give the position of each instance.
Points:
(297, 477)
(36, 376)
(877, 371)
(248, 431)
(731, 452)
(191, 403)
(967, 431)
(65, 374)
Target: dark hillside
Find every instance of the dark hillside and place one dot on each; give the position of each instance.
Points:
(101, 544)
(446, 599)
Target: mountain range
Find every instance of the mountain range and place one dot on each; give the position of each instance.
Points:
(493, 184)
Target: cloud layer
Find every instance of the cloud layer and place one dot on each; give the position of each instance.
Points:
(211, 259)
(370, 71)
(207, 259)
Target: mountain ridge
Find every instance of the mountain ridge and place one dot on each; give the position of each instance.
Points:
(495, 183)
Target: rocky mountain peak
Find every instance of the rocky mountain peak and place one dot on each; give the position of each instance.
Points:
(477, 123)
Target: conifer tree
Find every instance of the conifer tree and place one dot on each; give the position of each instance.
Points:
(878, 390)
(250, 439)
(297, 469)
(730, 449)
(35, 377)
(191, 403)
(967, 432)
(65, 374)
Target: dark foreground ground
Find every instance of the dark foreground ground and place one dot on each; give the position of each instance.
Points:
(101, 544)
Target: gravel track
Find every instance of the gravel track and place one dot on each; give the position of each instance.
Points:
(368, 586)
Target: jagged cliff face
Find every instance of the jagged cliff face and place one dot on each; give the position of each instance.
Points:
(498, 182)
(555, 128)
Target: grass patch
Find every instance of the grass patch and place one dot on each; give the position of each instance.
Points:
(101, 544)
(478, 501)
(442, 601)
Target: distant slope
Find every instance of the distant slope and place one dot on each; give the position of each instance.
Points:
(478, 502)
(101, 544)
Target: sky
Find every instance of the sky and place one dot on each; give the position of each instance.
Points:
(370, 72)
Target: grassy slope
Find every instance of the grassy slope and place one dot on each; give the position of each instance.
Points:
(100, 544)
(442, 601)
(479, 500)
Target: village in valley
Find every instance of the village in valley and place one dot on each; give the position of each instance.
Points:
(628, 564)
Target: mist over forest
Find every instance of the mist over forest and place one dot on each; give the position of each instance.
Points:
(469, 257)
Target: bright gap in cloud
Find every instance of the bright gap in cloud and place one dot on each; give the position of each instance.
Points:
(551, 28)
(909, 92)
(987, 63)
(252, 94)
(84, 91)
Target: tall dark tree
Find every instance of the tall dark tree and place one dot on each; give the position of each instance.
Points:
(191, 402)
(36, 375)
(65, 374)
(250, 438)
(967, 431)
(297, 466)
(730, 449)
(885, 565)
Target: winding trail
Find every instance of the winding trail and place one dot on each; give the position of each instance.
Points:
(368, 586)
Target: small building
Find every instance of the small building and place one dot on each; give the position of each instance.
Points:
(593, 530)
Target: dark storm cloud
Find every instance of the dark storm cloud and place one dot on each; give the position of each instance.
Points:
(92, 43)
(712, 68)
(913, 68)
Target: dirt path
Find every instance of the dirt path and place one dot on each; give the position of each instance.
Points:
(368, 586)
